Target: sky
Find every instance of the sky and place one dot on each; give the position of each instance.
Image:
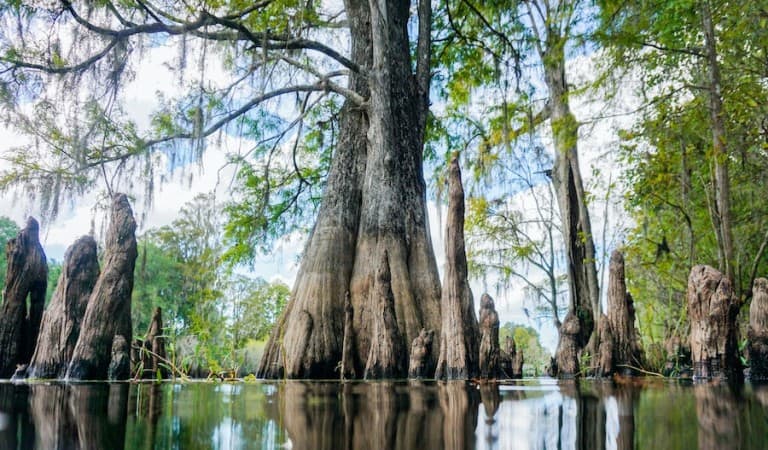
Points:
(155, 73)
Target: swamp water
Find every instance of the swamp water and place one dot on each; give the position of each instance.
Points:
(532, 414)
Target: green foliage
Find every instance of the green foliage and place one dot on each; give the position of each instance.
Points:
(8, 230)
(211, 315)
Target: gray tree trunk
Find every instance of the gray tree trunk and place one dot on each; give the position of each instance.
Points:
(109, 308)
(712, 310)
(571, 199)
(61, 321)
(26, 276)
(758, 331)
(621, 317)
(374, 201)
(459, 338)
(490, 357)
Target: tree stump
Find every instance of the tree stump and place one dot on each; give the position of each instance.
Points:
(566, 361)
(26, 276)
(387, 353)
(489, 339)
(517, 364)
(109, 308)
(758, 331)
(459, 332)
(506, 357)
(120, 362)
(421, 348)
(61, 320)
(712, 309)
(621, 317)
(153, 357)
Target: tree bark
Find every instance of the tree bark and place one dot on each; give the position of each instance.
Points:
(374, 200)
(712, 309)
(120, 362)
(109, 308)
(26, 276)
(459, 337)
(605, 363)
(61, 321)
(621, 317)
(489, 362)
(387, 350)
(758, 331)
(421, 349)
(566, 363)
(571, 199)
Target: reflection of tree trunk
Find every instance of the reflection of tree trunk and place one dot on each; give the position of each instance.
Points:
(419, 425)
(376, 426)
(100, 412)
(312, 416)
(150, 408)
(491, 398)
(590, 417)
(18, 430)
(459, 403)
(54, 424)
(718, 415)
(626, 398)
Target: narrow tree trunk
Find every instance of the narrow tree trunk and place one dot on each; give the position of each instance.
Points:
(722, 213)
(621, 317)
(120, 361)
(61, 321)
(459, 337)
(571, 199)
(489, 339)
(712, 309)
(517, 364)
(26, 276)
(421, 349)
(758, 331)
(386, 357)
(109, 309)
(154, 359)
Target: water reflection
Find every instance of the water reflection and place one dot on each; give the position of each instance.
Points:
(539, 414)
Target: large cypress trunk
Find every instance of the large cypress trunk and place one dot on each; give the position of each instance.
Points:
(61, 321)
(109, 308)
(26, 276)
(374, 201)
(459, 341)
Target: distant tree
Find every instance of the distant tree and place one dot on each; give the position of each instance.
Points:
(536, 357)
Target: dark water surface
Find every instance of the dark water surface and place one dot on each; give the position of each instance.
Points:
(536, 414)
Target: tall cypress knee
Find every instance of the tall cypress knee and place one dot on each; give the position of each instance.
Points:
(459, 332)
(621, 318)
(26, 276)
(489, 361)
(109, 308)
(61, 321)
(758, 331)
(712, 309)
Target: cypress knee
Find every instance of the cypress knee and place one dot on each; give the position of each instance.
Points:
(61, 320)
(566, 361)
(606, 364)
(621, 317)
(758, 331)
(26, 276)
(421, 348)
(517, 364)
(109, 308)
(386, 355)
(459, 331)
(712, 309)
(153, 359)
(489, 360)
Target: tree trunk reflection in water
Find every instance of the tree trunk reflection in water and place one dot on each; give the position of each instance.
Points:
(17, 431)
(718, 414)
(55, 426)
(90, 404)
